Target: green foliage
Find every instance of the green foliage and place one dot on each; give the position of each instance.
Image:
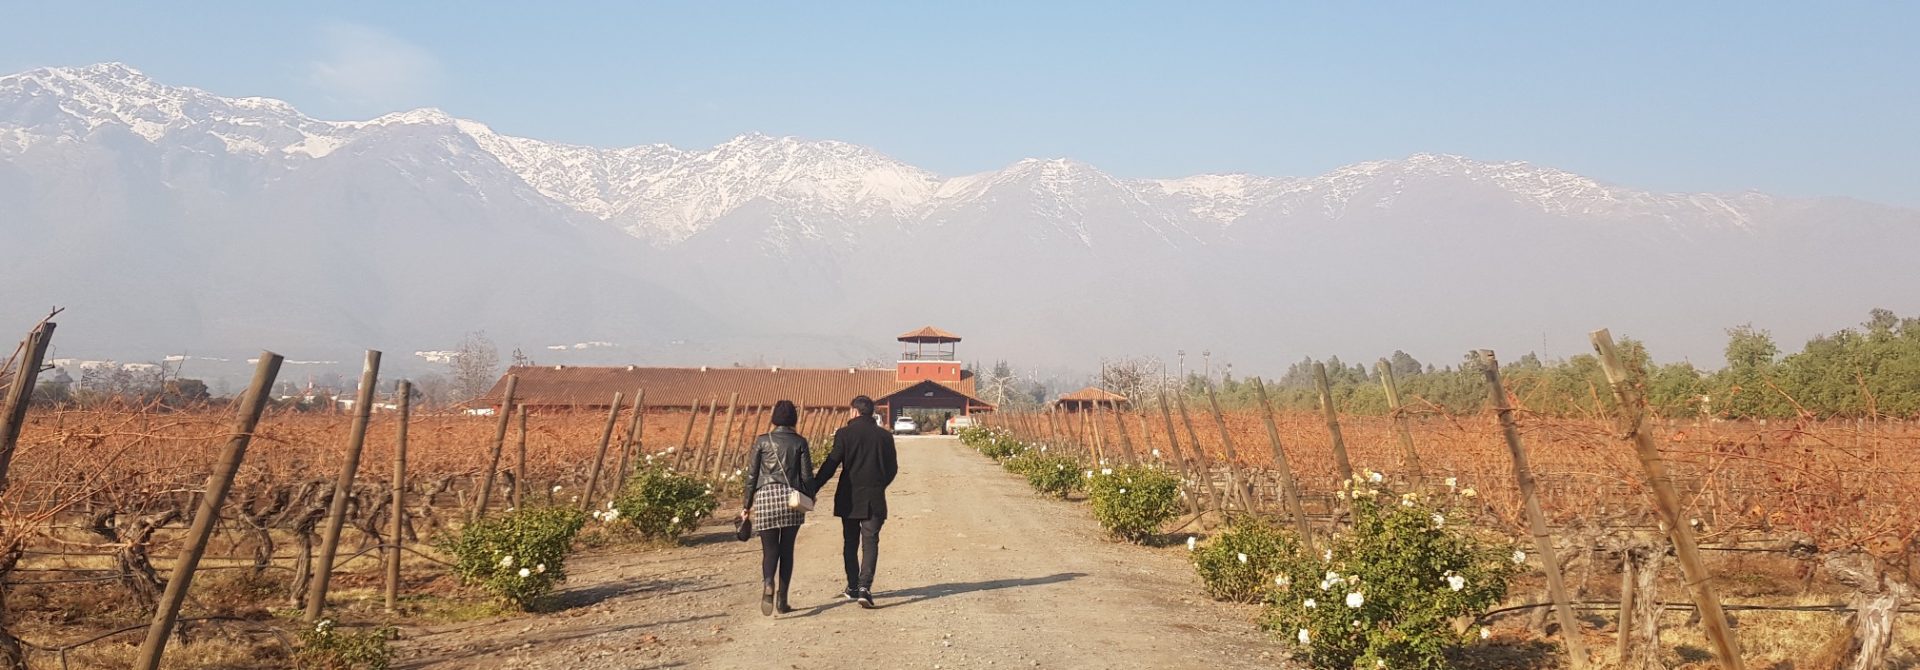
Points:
(1384, 593)
(518, 556)
(326, 647)
(995, 443)
(1055, 475)
(1239, 564)
(819, 452)
(661, 503)
(1132, 502)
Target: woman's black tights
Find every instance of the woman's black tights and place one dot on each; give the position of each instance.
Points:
(776, 552)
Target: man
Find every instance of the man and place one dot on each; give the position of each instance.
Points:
(867, 451)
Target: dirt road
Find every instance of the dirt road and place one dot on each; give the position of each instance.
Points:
(975, 571)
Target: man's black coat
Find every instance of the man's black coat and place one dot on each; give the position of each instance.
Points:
(866, 450)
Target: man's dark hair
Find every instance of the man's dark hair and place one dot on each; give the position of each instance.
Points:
(863, 405)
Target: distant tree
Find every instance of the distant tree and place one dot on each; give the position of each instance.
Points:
(474, 368)
(432, 390)
(1403, 365)
(1134, 378)
(520, 359)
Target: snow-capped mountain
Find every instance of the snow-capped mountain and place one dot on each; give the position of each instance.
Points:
(158, 204)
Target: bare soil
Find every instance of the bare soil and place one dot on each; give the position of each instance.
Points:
(975, 571)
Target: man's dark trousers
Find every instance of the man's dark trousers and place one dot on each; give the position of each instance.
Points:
(863, 534)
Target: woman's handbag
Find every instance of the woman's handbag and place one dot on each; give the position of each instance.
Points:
(799, 501)
(743, 529)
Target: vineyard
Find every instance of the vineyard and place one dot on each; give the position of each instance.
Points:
(1653, 542)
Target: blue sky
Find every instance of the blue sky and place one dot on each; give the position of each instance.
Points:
(1781, 97)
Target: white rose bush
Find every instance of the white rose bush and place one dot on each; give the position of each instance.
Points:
(518, 556)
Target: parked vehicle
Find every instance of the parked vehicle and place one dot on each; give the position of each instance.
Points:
(958, 423)
(905, 426)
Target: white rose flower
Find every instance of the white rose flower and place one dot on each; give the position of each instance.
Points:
(1485, 633)
(1456, 582)
(1452, 481)
(1309, 604)
(540, 569)
(1243, 558)
(1282, 581)
(525, 572)
(1519, 556)
(1439, 521)
(1355, 600)
(1191, 541)
(1106, 471)
(1468, 492)
(1302, 636)
(675, 520)
(556, 488)
(506, 562)
(1375, 477)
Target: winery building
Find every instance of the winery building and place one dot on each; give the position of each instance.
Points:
(928, 376)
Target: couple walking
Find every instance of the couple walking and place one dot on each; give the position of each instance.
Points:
(783, 465)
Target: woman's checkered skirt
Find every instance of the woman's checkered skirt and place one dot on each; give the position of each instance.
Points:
(770, 510)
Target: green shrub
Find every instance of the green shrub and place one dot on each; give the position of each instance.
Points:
(661, 503)
(1385, 592)
(996, 443)
(1053, 475)
(820, 451)
(1240, 564)
(326, 647)
(518, 556)
(1133, 501)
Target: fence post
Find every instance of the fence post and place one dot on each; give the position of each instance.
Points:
(13, 413)
(343, 488)
(1667, 502)
(520, 462)
(632, 449)
(1237, 481)
(706, 445)
(218, 483)
(726, 438)
(1126, 441)
(1333, 423)
(686, 438)
(1202, 462)
(405, 391)
(1179, 459)
(1536, 521)
(1090, 417)
(499, 444)
(600, 457)
(1289, 488)
(1409, 458)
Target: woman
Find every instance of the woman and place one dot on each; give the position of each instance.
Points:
(781, 465)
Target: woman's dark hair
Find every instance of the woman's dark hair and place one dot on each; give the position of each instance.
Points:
(785, 414)
(863, 405)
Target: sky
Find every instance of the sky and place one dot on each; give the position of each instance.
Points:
(1787, 98)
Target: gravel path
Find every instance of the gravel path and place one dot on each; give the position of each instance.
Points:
(975, 571)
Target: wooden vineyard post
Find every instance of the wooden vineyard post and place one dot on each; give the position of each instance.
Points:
(1409, 458)
(1180, 463)
(520, 462)
(706, 445)
(1091, 418)
(1343, 466)
(1203, 464)
(1053, 431)
(1126, 441)
(726, 438)
(1146, 435)
(13, 413)
(1289, 488)
(219, 482)
(600, 457)
(499, 443)
(632, 450)
(343, 489)
(399, 511)
(686, 439)
(1237, 481)
(1667, 502)
(1536, 521)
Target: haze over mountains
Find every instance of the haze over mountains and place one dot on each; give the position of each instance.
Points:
(170, 220)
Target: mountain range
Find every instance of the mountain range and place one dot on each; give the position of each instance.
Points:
(171, 220)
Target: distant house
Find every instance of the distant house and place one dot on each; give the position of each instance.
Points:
(923, 379)
(1090, 398)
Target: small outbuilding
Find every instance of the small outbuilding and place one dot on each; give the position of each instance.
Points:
(1090, 398)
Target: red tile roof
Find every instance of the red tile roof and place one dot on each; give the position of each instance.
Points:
(573, 386)
(928, 334)
(1092, 394)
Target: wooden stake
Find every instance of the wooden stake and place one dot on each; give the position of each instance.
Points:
(600, 457)
(632, 450)
(343, 489)
(1180, 462)
(1126, 441)
(499, 443)
(1667, 502)
(13, 412)
(726, 438)
(520, 462)
(1409, 459)
(399, 505)
(706, 446)
(218, 484)
(1536, 521)
(686, 439)
(1288, 487)
(1202, 461)
(1236, 482)
(1340, 463)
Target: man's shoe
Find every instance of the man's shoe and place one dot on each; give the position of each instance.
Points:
(866, 599)
(852, 594)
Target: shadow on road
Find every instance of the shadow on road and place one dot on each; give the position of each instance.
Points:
(909, 596)
(503, 643)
